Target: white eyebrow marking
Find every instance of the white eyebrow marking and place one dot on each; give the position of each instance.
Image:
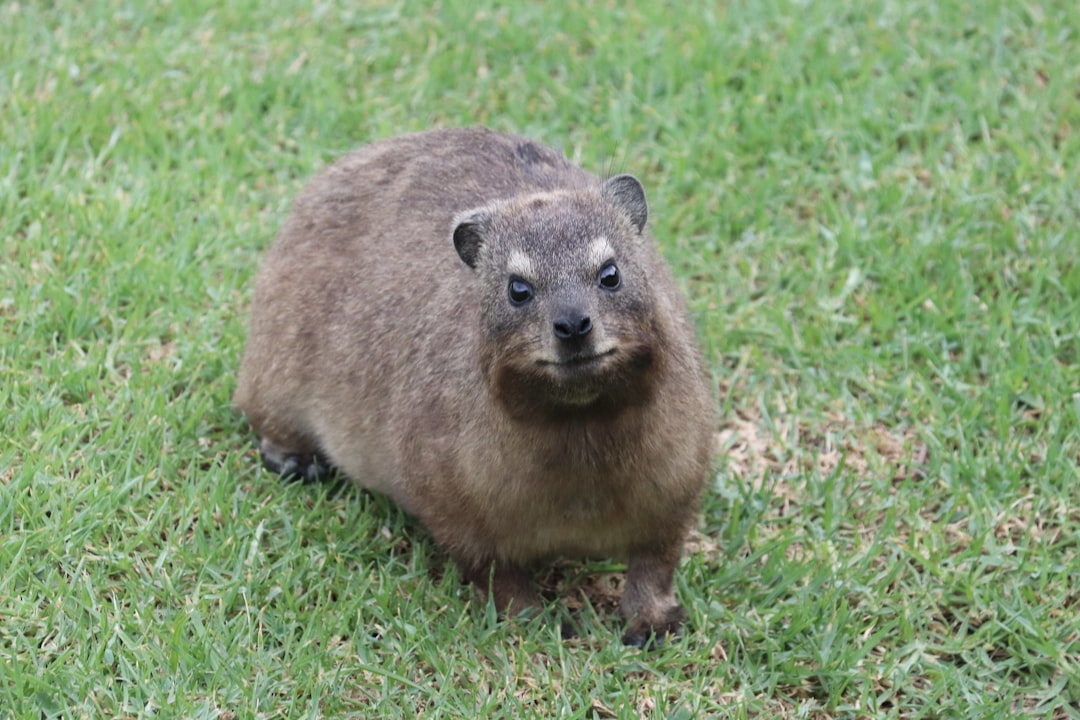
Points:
(600, 251)
(520, 264)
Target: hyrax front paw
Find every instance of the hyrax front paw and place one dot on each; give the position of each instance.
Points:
(653, 633)
(648, 601)
(510, 588)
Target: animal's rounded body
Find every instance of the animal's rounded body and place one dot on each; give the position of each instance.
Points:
(467, 322)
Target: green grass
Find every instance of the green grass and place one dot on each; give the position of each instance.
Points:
(874, 208)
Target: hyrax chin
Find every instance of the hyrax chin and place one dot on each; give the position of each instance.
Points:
(470, 324)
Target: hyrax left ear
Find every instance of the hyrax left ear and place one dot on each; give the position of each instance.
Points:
(626, 194)
(469, 229)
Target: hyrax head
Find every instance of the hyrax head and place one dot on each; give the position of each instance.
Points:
(566, 303)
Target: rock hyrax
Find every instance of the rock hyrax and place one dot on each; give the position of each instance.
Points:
(467, 322)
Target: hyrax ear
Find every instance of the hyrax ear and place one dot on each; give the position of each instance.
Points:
(469, 229)
(626, 193)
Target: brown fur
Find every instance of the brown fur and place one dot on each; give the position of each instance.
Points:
(376, 349)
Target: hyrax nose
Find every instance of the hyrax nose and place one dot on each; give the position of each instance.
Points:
(572, 325)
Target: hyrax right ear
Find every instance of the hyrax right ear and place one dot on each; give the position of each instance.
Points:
(469, 230)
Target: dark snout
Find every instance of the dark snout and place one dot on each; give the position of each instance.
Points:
(572, 324)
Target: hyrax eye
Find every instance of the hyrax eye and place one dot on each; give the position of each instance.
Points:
(609, 277)
(520, 292)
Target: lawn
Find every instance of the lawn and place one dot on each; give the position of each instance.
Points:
(874, 208)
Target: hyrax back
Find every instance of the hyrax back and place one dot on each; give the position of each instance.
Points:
(468, 323)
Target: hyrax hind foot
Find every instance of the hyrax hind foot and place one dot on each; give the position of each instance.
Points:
(305, 467)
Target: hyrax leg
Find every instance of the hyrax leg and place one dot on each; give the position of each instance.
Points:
(293, 463)
(648, 601)
(511, 588)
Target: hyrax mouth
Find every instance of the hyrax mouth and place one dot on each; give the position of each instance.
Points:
(585, 359)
